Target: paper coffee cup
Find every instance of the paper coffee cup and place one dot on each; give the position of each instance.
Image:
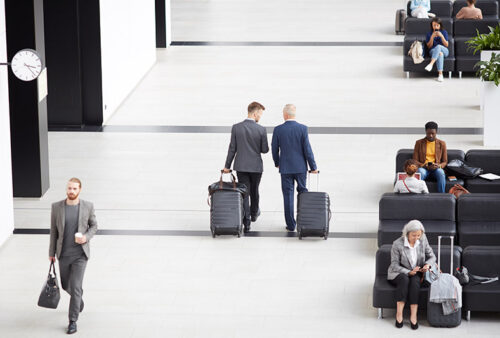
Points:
(78, 235)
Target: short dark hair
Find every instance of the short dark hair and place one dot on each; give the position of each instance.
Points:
(255, 106)
(431, 125)
(437, 20)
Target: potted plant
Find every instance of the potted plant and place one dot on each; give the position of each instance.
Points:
(485, 44)
(489, 73)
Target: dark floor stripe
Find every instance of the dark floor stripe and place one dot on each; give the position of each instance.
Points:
(290, 43)
(227, 129)
(276, 234)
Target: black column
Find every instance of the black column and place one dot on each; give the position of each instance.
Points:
(73, 52)
(28, 114)
(161, 24)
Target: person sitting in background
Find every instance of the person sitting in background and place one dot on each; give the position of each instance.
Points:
(470, 11)
(411, 184)
(411, 257)
(437, 43)
(420, 8)
(431, 156)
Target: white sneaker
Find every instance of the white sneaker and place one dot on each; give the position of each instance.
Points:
(429, 67)
(440, 78)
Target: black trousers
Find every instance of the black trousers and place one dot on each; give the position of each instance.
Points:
(251, 202)
(408, 288)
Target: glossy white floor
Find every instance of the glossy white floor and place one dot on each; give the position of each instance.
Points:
(194, 286)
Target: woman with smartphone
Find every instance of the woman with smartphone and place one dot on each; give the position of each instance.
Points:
(437, 44)
(411, 257)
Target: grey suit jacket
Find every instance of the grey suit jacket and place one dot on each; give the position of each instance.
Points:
(248, 141)
(400, 257)
(87, 225)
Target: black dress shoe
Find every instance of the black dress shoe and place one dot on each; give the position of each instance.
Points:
(71, 328)
(81, 306)
(399, 324)
(414, 326)
(246, 229)
(254, 217)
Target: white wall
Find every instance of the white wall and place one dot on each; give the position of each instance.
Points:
(128, 47)
(6, 201)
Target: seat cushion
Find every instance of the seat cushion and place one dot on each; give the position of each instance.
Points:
(469, 28)
(466, 64)
(481, 297)
(481, 185)
(384, 294)
(488, 160)
(478, 233)
(410, 38)
(390, 230)
(440, 207)
(416, 26)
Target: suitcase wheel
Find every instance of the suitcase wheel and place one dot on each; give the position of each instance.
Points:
(213, 234)
(239, 234)
(325, 236)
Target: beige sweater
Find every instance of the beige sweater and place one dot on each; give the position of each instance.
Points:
(469, 13)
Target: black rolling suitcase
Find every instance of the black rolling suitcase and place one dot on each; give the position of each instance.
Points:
(435, 315)
(226, 207)
(400, 21)
(313, 213)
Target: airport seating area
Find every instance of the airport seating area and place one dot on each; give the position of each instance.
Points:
(461, 58)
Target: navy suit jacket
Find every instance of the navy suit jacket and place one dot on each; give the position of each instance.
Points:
(291, 148)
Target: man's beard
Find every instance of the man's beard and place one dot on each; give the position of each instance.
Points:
(72, 197)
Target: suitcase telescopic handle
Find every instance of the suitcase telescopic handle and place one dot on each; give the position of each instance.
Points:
(451, 254)
(309, 179)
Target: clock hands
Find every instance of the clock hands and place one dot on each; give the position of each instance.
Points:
(29, 68)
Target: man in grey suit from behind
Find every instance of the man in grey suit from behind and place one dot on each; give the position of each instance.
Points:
(248, 141)
(72, 225)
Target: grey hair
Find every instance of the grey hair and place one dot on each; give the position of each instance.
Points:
(290, 109)
(412, 226)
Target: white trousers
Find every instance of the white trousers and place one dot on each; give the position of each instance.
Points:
(420, 13)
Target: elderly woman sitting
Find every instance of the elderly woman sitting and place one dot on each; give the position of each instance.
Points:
(411, 257)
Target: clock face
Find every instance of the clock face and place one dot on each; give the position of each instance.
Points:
(26, 65)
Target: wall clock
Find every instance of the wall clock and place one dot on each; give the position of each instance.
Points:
(26, 65)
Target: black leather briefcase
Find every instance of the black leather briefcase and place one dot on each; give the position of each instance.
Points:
(50, 295)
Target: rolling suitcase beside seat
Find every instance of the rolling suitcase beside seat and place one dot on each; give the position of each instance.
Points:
(400, 21)
(435, 315)
(313, 213)
(226, 207)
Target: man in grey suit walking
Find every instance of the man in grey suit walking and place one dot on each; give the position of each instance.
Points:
(72, 225)
(248, 141)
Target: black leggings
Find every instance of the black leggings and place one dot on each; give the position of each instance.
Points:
(408, 287)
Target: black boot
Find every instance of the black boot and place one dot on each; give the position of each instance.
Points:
(71, 327)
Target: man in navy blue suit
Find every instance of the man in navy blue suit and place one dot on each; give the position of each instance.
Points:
(291, 154)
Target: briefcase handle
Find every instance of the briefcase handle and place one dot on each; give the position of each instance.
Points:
(52, 269)
(233, 179)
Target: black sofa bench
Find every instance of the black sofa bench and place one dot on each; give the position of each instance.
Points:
(478, 219)
(384, 293)
(489, 161)
(482, 261)
(435, 211)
